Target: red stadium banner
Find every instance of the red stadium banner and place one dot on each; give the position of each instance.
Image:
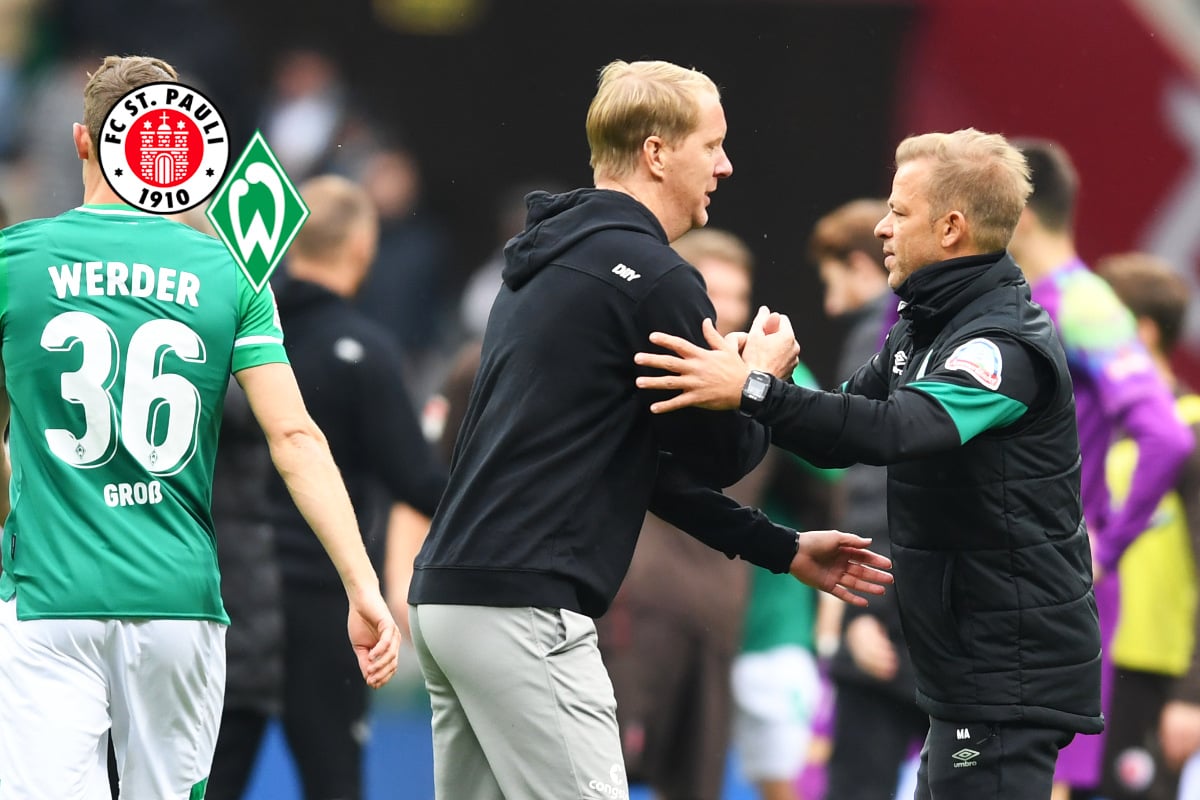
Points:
(1117, 82)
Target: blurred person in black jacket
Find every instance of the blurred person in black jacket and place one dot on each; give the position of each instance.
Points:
(351, 374)
(876, 719)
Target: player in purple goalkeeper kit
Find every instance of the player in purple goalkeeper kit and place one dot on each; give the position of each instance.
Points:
(1117, 389)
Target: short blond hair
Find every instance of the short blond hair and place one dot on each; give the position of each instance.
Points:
(979, 174)
(336, 206)
(117, 76)
(702, 243)
(637, 100)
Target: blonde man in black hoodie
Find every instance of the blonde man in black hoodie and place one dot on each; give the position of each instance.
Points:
(559, 458)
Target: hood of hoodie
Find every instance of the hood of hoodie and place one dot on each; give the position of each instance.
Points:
(557, 222)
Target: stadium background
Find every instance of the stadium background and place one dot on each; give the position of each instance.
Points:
(488, 93)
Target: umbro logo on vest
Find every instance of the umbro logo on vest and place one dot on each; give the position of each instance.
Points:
(622, 271)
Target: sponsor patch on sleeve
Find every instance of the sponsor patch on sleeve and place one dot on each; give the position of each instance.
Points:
(979, 358)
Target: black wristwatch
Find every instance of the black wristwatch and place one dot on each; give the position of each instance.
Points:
(755, 391)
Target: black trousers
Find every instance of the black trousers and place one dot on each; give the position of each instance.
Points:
(988, 761)
(325, 706)
(324, 695)
(873, 733)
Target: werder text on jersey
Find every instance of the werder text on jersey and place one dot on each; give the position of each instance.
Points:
(112, 278)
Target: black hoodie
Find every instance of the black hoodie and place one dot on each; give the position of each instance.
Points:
(559, 457)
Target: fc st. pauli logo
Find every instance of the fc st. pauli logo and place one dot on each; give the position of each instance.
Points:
(164, 148)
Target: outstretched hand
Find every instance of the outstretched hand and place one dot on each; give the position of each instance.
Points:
(840, 564)
(375, 638)
(713, 378)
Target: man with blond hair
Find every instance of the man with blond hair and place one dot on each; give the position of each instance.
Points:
(558, 458)
(111, 614)
(969, 403)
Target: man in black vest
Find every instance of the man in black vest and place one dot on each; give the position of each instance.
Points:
(970, 405)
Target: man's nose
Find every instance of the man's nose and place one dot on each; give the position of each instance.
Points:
(724, 166)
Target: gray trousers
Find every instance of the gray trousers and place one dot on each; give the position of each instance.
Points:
(523, 708)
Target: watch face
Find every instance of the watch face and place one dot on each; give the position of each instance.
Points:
(756, 386)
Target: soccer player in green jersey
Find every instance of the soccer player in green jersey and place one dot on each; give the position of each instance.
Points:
(118, 331)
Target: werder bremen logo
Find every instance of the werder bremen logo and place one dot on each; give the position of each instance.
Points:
(257, 212)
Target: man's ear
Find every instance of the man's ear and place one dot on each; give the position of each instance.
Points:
(83, 141)
(953, 229)
(654, 155)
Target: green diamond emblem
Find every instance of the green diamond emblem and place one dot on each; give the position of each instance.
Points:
(257, 212)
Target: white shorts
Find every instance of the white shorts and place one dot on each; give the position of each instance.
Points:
(775, 694)
(158, 684)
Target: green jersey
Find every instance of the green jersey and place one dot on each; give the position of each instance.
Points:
(119, 330)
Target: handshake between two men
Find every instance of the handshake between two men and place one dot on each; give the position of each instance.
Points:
(736, 372)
